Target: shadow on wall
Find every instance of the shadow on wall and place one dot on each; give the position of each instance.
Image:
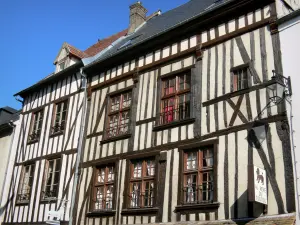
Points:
(242, 208)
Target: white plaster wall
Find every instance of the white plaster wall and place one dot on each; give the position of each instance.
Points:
(4, 151)
(5, 144)
(290, 47)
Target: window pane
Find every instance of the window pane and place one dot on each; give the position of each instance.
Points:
(115, 103)
(137, 169)
(101, 175)
(191, 160)
(191, 188)
(109, 197)
(99, 198)
(135, 194)
(111, 174)
(169, 86)
(150, 170)
(148, 199)
(207, 158)
(126, 100)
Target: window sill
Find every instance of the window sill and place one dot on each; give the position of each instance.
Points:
(32, 142)
(117, 138)
(101, 213)
(174, 124)
(140, 211)
(58, 133)
(197, 207)
(22, 203)
(45, 201)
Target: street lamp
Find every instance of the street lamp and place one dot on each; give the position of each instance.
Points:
(279, 88)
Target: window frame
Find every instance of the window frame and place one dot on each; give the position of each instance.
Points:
(238, 84)
(65, 102)
(142, 180)
(21, 183)
(119, 113)
(32, 132)
(160, 78)
(126, 210)
(45, 177)
(181, 206)
(186, 91)
(95, 184)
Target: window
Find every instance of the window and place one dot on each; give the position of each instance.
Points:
(60, 114)
(240, 79)
(175, 101)
(52, 171)
(198, 183)
(141, 191)
(61, 66)
(119, 109)
(103, 190)
(36, 126)
(26, 184)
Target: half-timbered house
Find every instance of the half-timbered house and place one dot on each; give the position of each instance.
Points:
(47, 139)
(175, 108)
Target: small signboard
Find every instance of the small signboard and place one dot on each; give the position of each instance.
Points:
(257, 185)
(53, 217)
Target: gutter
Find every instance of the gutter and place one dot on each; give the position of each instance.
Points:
(77, 172)
(51, 78)
(163, 32)
(288, 17)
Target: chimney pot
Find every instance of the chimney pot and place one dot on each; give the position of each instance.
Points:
(137, 16)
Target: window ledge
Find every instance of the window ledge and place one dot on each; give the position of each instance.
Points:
(22, 203)
(174, 124)
(58, 133)
(139, 211)
(117, 138)
(45, 201)
(203, 206)
(101, 213)
(33, 141)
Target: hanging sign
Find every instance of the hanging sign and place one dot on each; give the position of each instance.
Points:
(257, 185)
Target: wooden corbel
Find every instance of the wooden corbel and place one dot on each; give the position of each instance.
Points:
(135, 75)
(273, 26)
(89, 92)
(199, 52)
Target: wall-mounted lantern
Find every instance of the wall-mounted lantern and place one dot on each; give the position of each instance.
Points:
(280, 88)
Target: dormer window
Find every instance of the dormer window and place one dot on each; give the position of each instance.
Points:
(61, 66)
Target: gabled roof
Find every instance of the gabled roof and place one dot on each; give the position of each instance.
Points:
(161, 24)
(104, 43)
(75, 51)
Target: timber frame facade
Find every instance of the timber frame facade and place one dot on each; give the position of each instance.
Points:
(241, 37)
(167, 133)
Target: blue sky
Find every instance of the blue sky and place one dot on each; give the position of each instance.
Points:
(33, 31)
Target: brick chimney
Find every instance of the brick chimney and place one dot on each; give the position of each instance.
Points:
(137, 16)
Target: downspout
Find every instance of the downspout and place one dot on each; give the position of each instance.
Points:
(79, 148)
(11, 124)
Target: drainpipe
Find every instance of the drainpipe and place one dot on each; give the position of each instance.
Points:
(13, 126)
(79, 148)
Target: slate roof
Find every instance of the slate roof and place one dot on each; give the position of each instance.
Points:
(154, 26)
(7, 114)
(161, 24)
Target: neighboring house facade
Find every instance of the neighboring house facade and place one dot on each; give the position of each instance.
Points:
(48, 140)
(173, 112)
(173, 105)
(289, 32)
(8, 121)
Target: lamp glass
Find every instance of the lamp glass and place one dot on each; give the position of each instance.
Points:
(276, 91)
